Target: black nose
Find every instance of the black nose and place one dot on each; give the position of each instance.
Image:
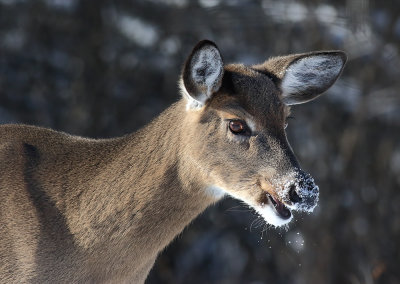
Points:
(302, 192)
(293, 196)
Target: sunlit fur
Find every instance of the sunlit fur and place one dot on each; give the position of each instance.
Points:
(78, 210)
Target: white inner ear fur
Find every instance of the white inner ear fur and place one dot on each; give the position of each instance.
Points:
(207, 68)
(313, 72)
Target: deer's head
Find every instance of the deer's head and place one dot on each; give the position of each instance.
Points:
(236, 131)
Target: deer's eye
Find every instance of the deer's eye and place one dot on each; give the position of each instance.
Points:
(237, 127)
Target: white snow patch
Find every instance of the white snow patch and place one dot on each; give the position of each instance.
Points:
(326, 14)
(282, 11)
(177, 3)
(137, 30)
(68, 5)
(170, 45)
(296, 12)
(209, 3)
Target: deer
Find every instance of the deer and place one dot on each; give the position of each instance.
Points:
(81, 210)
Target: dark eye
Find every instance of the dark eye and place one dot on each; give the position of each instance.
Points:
(237, 126)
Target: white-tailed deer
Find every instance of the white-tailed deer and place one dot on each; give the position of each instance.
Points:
(77, 210)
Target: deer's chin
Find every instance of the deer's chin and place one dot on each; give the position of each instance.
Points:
(273, 210)
(272, 216)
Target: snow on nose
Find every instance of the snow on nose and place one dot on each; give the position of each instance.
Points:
(300, 192)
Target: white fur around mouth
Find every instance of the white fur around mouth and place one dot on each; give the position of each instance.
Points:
(271, 216)
(267, 210)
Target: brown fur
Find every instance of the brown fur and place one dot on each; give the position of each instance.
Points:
(77, 210)
(88, 206)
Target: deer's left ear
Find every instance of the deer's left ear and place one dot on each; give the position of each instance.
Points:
(303, 77)
(309, 75)
(202, 74)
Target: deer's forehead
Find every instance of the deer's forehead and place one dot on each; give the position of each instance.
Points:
(252, 91)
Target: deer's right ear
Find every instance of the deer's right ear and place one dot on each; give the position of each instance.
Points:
(202, 74)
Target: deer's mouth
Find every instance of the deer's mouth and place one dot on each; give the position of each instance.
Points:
(273, 210)
(280, 209)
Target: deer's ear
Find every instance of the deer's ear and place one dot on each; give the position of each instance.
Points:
(202, 74)
(303, 77)
(308, 76)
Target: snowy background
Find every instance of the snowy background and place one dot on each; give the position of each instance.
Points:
(105, 68)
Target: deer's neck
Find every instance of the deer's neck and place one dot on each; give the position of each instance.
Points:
(154, 193)
(168, 193)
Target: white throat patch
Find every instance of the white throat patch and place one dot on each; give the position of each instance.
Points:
(215, 192)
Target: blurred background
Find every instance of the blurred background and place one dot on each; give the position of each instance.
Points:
(105, 68)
